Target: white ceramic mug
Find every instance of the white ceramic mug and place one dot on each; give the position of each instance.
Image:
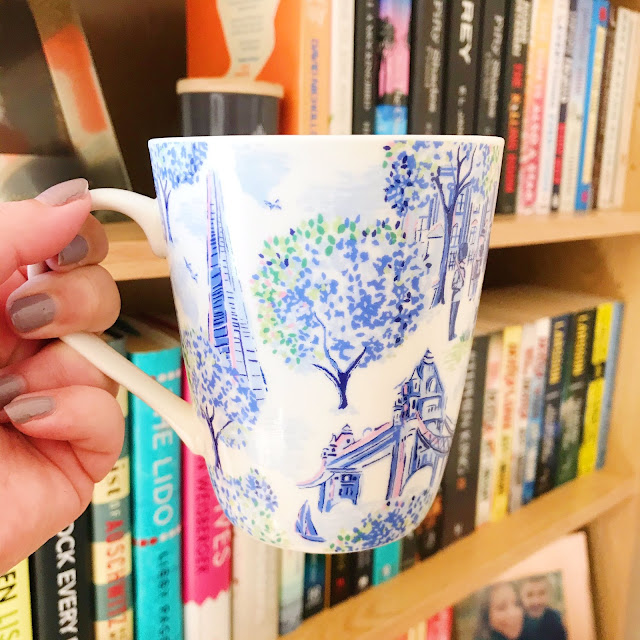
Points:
(326, 289)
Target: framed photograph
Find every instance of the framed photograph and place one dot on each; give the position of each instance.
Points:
(545, 597)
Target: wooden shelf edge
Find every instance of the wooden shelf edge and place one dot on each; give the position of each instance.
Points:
(130, 257)
(386, 611)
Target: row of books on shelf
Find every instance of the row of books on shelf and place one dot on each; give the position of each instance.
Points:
(555, 78)
(155, 557)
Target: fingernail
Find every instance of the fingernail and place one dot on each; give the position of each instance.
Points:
(75, 251)
(64, 192)
(25, 409)
(10, 388)
(32, 312)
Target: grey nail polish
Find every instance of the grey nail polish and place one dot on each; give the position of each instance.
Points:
(75, 251)
(32, 312)
(25, 409)
(10, 388)
(64, 192)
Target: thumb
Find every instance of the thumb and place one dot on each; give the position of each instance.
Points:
(34, 230)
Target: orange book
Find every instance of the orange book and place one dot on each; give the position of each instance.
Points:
(289, 44)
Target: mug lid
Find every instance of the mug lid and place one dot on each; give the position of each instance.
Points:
(229, 85)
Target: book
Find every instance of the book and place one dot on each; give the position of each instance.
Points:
(365, 66)
(155, 490)
(492, 35)
(339, 567)
(462, 53)
(599, 25)
(460, 479)
(15, 603)
(291, 590)
(61, 584)
(363, 565)
(575, 108)
(386, 562)
(206, 550)
(439, 625)
(429, 532)
(408, 551)
(393, 79)
(427, 65)
(511, 99)
(314, 584)
(341, 74)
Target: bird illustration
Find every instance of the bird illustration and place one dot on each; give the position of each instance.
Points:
(273, 205)
(190, 270)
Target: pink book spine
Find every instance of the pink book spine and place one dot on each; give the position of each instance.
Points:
(206, 552)
(440, 625)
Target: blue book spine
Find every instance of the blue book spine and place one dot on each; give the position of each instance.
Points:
(386, 562)
(156, 526)
(595, 62)
(609, 382)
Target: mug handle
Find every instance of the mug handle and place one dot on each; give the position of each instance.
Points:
(178, 413)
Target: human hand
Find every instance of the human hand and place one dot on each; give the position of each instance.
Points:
(61, 429)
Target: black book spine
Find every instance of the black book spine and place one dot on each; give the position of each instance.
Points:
(551, 426)
(62, 588)
(490, 66)
(427, 71)
(429, 531)
(408, 551)
(511, 103)
(363, 567)
(365, 66)
(341, 581)
(463, 49)
(460, 481)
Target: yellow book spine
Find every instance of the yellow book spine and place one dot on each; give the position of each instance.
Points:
(512, 338)
(15, 604)
(591, 425)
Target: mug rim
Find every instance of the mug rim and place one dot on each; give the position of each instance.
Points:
(355, 138)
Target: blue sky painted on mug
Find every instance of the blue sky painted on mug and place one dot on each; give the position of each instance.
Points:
(258, 171)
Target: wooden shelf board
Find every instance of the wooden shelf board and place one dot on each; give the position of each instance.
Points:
(388, 610)
(130, 257)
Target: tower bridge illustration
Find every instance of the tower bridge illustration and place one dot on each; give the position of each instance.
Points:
(418, 436)
(228, 323)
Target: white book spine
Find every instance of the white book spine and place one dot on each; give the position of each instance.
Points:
(615, 101)
(291, 590)
(210, 620)
(341, 82)
(626, 119)
(551, 113)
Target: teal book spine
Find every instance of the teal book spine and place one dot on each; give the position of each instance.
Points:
(155, 477)
(386, 562)
(609, 382)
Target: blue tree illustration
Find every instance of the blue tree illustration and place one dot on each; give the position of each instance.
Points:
(176, 163)
(228, 406)
(338, 294)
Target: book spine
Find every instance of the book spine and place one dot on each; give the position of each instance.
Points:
(386, 562)
(575, 110)
(15, 603)
(111, 538)
(534, 97)
(599, 25)
(574, 396)
(206, 550)
(440, 625)
(460, 481)
(463, 50)
(609, 382)
(427, 66)
(363, 566)
(291, 591)
(512, 99)
(624, 30)
(550, 116)
(492, 34)
(314, 584)
(545, 472)
(607, 73)
(429, 531)
(341, 77)
(393, 78)
(409, 551)
(490, 418)
(254, 597)
(523, 392)
(626, 116)
(512, 338)
(62, 584)
(155, 484)
(565, 89)
(365, 66)
(536, 404)
(341, 578)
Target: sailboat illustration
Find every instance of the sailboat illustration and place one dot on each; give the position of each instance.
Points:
(305, 526)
